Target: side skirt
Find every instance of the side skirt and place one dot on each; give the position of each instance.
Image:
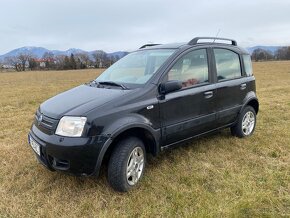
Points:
(180, 142)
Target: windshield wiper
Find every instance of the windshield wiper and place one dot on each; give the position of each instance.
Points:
(111, 83)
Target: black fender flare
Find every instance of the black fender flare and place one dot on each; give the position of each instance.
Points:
(128, 122)
(120, 126)
(251, 96)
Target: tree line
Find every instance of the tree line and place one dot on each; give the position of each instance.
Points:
(264, 55)
(101, 59)
(49, 61)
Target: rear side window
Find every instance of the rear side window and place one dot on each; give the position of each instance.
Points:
(227, 64)
(190, 69)
(248, 65)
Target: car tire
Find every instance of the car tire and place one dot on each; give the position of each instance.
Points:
(127, 163)
(246, 123)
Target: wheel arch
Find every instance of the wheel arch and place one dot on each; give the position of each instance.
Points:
(144, 133)
(251, 100)
(254, 103)
(141, 131)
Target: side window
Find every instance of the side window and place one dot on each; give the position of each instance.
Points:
(190, 69)
(227, 64)
(248, 65)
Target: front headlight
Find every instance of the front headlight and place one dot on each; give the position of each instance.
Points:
(71, 126)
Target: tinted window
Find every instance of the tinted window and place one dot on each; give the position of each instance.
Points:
(227, 64)
(248, 65)
(191, 69)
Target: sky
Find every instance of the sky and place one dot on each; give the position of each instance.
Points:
(127, 24)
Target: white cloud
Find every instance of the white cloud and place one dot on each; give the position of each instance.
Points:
(127, 24)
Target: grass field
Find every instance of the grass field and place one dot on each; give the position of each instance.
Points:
(216, 176)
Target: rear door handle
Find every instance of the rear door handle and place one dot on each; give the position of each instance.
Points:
(208, 94)
(243, 86)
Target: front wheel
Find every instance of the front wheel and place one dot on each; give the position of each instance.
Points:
(246, 123)
(127, 164)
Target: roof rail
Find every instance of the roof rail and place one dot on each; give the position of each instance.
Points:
(148, 45)
(194, 41)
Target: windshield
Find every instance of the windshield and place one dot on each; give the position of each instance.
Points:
(136, 68)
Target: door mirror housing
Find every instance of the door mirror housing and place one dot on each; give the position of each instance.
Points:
(170, 86)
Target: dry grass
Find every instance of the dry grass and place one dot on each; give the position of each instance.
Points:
(215, 176)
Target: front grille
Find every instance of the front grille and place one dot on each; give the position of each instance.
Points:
(45, 124)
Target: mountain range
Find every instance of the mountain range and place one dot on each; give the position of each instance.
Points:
(38, 52)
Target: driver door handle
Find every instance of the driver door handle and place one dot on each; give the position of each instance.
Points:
(208, 94)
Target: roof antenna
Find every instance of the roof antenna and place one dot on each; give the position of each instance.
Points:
(216, 35)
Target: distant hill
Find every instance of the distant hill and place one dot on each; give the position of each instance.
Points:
(68, 52)
(38, 52)
(272, 49)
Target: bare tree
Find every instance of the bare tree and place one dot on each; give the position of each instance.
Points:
(23, 58)
(283, 53)
(49, 59)
(261, 55)
(100, 58)
(14, 62)
(66, 63)
(84, 58)
(72, 61)
(59, 61)
(32, 64)
(113, 59)
(96, 56)
(1, 65)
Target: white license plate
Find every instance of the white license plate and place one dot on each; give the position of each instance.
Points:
(35, 146)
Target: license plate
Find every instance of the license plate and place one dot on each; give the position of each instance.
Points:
(35, 146)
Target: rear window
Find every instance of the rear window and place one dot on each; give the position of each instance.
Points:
(248, 65)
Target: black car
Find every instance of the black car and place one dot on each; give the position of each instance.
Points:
(150, 100)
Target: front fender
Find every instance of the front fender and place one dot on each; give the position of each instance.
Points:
(128, 122)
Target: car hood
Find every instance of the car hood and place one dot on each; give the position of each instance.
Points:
(79, 100)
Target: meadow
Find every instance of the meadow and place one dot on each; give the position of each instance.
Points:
(214, 176)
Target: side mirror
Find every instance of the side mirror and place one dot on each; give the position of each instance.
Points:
(170, 86)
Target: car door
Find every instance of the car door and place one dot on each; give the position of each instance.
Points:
(190, 110)
(231, 86)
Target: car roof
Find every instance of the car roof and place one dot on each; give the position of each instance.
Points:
(170, 45)
(198, 44)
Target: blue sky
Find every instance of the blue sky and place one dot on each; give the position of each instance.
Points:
(127, 24)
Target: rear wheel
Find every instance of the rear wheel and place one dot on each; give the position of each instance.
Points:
(127, 164)
(246, 123)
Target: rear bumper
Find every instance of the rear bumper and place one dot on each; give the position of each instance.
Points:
(77, 156)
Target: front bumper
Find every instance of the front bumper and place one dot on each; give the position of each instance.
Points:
(78, 156)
